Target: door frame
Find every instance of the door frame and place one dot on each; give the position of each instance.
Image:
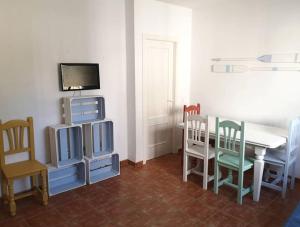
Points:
(143, 138)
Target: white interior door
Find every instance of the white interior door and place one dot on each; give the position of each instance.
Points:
(158, 97)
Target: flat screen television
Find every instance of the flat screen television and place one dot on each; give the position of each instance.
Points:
(79, 76)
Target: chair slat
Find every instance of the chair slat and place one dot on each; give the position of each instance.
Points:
(225, 137)
(199, 131)
(16, 137)
(10, 139)
(21, 137)
(193, 131)
(234, 140)
(231, 137)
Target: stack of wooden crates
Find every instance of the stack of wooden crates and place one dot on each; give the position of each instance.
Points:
(82, 149)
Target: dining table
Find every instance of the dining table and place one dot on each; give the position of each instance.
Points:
(260, 137)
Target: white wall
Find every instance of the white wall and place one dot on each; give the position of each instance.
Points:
(36, 35)
(246, 29)
(165, 20)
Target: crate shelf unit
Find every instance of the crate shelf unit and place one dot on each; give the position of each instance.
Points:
(99, 169)
(66, 178)
(98, 138)
(83, 109)
(84, 131)
(66, 144)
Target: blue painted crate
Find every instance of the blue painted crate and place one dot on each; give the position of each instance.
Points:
(65, 144)
(66, 178)
(100, 169)
(84, 109)
(98, 138)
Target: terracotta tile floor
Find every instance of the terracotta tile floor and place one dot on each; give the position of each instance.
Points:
(152, 196)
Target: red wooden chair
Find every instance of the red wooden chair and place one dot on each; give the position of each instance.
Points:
(190, 110)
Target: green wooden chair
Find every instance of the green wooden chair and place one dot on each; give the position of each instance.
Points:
(230, 153)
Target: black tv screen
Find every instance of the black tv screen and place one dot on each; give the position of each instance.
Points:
(79, 76)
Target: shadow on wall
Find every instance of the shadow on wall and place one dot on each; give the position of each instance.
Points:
(47, 142)
(130, 67)
(61, 110)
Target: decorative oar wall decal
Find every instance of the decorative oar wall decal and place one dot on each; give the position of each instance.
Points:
(283, 69)
(216, 68)
(229, 68)
(268, 58)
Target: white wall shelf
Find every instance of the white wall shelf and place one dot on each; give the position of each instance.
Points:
(83, 109)
(66, 178)
(65, 144)
(99, 169)
(98, 138)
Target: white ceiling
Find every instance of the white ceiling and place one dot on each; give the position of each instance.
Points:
(186, 3)
(194, 4)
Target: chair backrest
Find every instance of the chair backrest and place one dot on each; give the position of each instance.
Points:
(293, 145)
(12, 136)
(191, 110)
(193, 126)
(232, 134)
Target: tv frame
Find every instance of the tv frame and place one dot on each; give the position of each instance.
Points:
(79, 64)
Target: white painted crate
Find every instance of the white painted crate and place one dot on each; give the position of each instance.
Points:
(83, 109)
(66, 178)
(98, 138)
(65, 144)
(103, 168)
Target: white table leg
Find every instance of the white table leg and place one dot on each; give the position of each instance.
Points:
(258, 171)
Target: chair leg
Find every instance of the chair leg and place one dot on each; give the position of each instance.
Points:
(216, 180)
(33, 182)
(285, 180)
(230, 177)
(182, 149)
(4, 190)
(44, 188)
(185, 166)
(293, 175)
(240, 187)
(266, 174)
(205, 173)
(12, 203)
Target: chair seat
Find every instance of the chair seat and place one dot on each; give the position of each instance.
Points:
(197, 150)
(277, 155)
(24, 168)
(230, 160)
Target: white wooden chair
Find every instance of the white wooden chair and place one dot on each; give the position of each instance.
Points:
(195, 146)
(282, 160)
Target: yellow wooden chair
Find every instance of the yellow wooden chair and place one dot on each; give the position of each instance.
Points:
(12, 135)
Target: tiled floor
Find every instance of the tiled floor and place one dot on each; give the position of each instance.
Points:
(152, 196)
